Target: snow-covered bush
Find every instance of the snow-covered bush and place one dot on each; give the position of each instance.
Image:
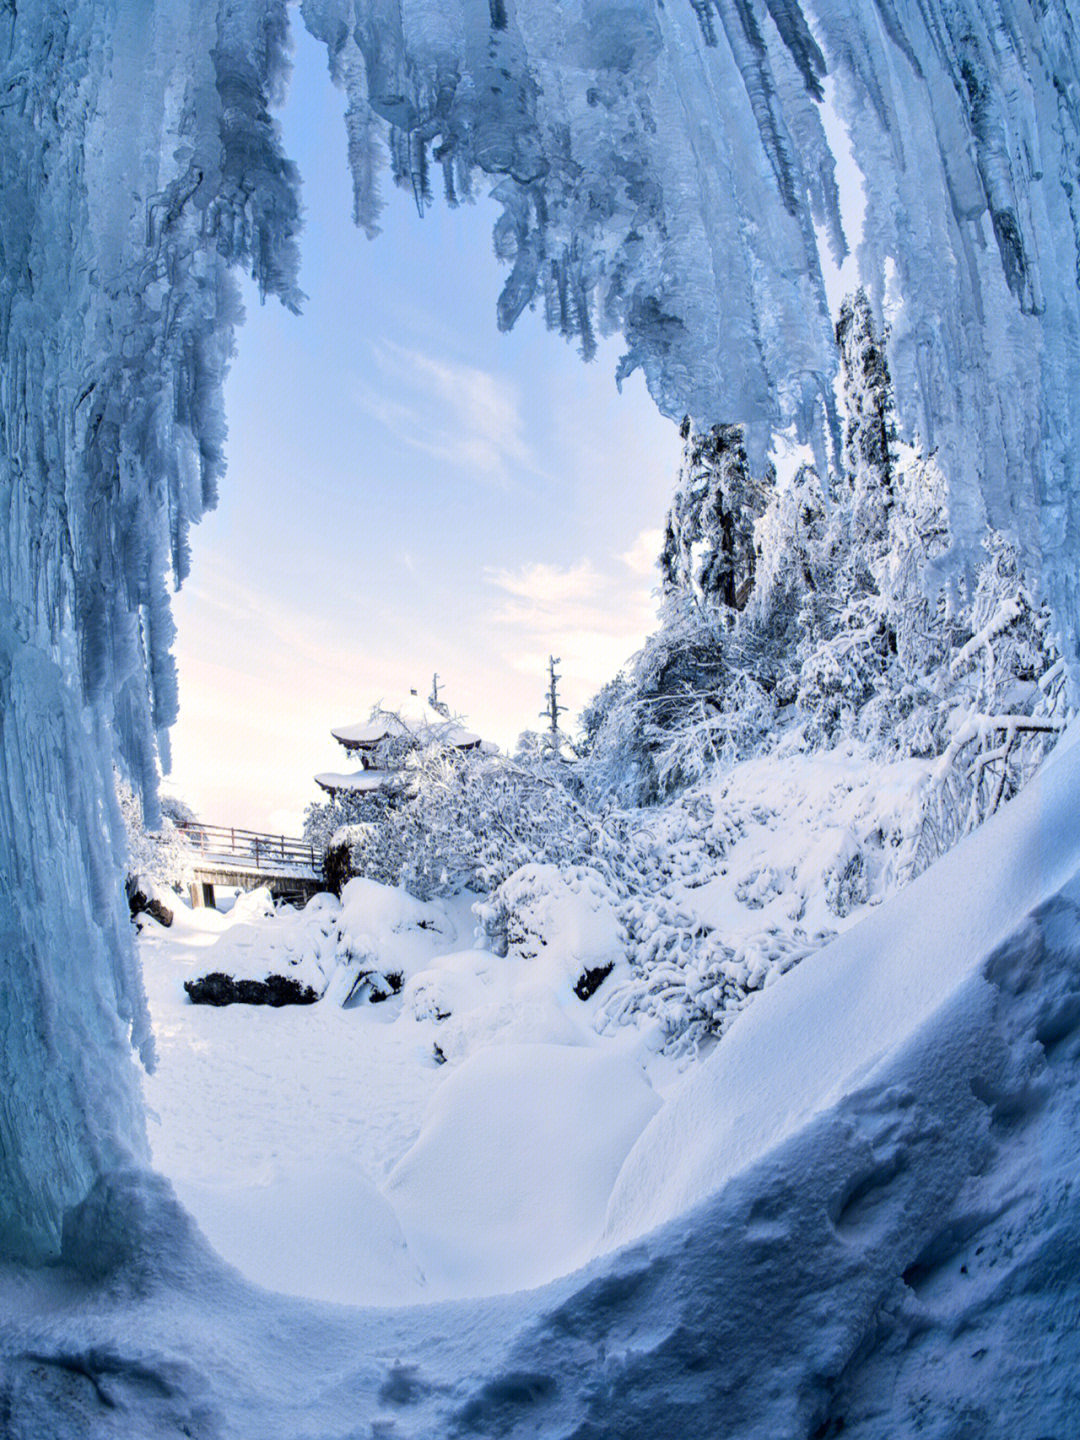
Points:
(572, 907)
(160, 857)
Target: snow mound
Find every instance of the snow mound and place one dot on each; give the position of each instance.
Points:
(474, 998)
(507, 1182)
(320, 1229)
(400, 926)
(301, 945)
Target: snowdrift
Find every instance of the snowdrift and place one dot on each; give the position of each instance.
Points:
(858, 1217)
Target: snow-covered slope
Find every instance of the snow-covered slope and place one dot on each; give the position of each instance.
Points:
(859, 1217)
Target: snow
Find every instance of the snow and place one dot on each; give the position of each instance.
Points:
(325, 1151)
(853, 1218)
(507, 1181)
(838, 1023)
(277, 1127)
(882, 1154)
(361, 782)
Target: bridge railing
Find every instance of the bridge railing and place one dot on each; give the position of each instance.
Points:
(251, 848)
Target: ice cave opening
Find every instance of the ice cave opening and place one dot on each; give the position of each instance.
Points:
(867, 1189)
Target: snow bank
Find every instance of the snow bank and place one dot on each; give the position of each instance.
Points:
(507, 1182)
(835, 1025)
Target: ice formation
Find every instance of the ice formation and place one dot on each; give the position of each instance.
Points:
(663, 170)
(140, 164)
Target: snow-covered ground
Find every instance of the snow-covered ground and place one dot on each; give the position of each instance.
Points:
(327, 1151)
(463, 1136)
(857, 1216)
(467, 1135)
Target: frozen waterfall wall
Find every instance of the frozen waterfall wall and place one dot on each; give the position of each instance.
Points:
(138, 163)
(663, 171)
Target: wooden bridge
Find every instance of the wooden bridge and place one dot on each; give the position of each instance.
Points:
(228, 855)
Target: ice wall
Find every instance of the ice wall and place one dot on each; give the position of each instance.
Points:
(663, 171)
(138, 165)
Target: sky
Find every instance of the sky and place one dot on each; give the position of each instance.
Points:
(409, 491)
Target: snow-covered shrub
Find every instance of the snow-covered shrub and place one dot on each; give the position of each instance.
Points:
(385, 935)
(155, 857)
(570, 907)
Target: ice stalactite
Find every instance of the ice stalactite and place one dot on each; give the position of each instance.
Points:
(664, 173)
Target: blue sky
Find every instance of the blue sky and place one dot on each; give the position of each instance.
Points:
(408, 491)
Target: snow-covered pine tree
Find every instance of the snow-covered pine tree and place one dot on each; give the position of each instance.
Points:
(708, 553)
(680, 701)
(870, 426)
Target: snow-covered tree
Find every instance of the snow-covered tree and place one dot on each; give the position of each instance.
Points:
(804, 613)
(708, 553)
(795, 599)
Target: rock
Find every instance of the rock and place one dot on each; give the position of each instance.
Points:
(589, 981)
(220, 989)
(139, 903)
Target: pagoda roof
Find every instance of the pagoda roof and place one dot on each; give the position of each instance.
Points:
(360, 782)
(388, 724)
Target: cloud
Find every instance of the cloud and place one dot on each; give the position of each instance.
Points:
(592, 619)
(642, 556)
(549, 585)
(457, 414)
